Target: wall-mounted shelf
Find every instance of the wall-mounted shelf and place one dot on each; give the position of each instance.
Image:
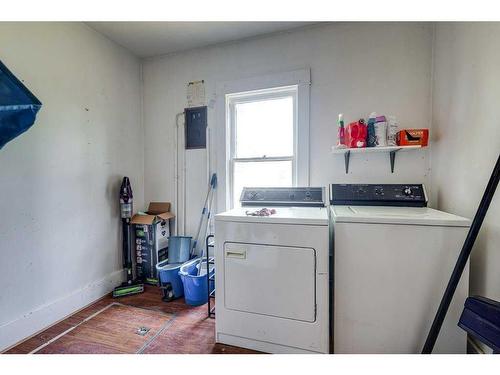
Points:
(390, 149)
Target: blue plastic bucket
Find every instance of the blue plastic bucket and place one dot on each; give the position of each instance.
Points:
(195, 287)
(179, 248)
(170, 281)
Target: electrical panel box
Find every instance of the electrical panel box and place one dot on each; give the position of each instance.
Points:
(196, 126)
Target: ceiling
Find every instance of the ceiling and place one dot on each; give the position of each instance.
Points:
(146, 39)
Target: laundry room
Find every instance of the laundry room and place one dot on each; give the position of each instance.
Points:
(197, 184)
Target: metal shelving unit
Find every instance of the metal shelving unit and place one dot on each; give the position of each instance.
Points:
(209, 243)
(390, 149)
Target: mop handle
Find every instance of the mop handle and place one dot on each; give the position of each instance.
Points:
(462, 259)
(208, 220)
(204, 209)
(211, 187)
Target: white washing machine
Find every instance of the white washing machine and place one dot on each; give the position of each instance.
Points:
(272, 291)
(393, 258)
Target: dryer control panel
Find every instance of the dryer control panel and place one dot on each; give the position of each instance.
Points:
(404, 195)
(278, 196)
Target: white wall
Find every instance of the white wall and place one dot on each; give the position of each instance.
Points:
(59, 180)
(356, 68)
(466, 137)
(59, 225)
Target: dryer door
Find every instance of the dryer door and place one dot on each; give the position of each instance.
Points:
(270, 280)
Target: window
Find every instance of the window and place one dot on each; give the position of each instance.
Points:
(261, 133)
(262, 137)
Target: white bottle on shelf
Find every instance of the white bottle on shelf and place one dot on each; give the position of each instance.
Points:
(392, 130)
(380, 131)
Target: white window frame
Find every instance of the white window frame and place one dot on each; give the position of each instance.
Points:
(250, 97)
(263, 85)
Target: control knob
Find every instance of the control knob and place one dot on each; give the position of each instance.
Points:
(407, 191)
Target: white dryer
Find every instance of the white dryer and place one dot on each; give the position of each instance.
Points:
(272, 290)
(393, 257)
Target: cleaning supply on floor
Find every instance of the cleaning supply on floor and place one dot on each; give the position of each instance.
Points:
(392, 131)
(196, 285)
(198, 248)
(341, 132)
(380, 126)
(356, 134)
(169, 280)
(199, 238)
(371, 139)
(179, 248)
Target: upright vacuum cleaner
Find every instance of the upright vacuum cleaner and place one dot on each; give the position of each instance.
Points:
(130, 286)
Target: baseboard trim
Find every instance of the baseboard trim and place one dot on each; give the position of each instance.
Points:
(33, 322)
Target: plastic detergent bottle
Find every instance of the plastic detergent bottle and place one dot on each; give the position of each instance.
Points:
(392, 130)
(371, 139)
(341, 132)
(381, 131)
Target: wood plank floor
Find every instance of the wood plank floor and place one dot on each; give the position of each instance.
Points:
(190, 331)
(111, 330)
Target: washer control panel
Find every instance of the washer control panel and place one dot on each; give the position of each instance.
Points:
(278, 196)
(405, 195)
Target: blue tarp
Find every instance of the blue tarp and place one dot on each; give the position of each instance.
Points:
(18, 106)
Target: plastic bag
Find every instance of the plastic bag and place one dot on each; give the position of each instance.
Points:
(18, 106)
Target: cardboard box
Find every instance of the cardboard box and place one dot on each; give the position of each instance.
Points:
(151, 239)
(413, 137)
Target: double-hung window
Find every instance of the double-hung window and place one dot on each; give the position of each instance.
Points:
(262, 133)
(262, 136)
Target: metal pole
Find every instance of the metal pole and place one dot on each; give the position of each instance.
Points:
(208, 274)
(462, 259)
(176, 172)
(127, 249)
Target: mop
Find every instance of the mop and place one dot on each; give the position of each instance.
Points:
(205, 212)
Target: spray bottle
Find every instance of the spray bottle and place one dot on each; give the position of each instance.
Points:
(341, 132)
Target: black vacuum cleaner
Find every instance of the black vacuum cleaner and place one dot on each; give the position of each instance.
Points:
(130, 286)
